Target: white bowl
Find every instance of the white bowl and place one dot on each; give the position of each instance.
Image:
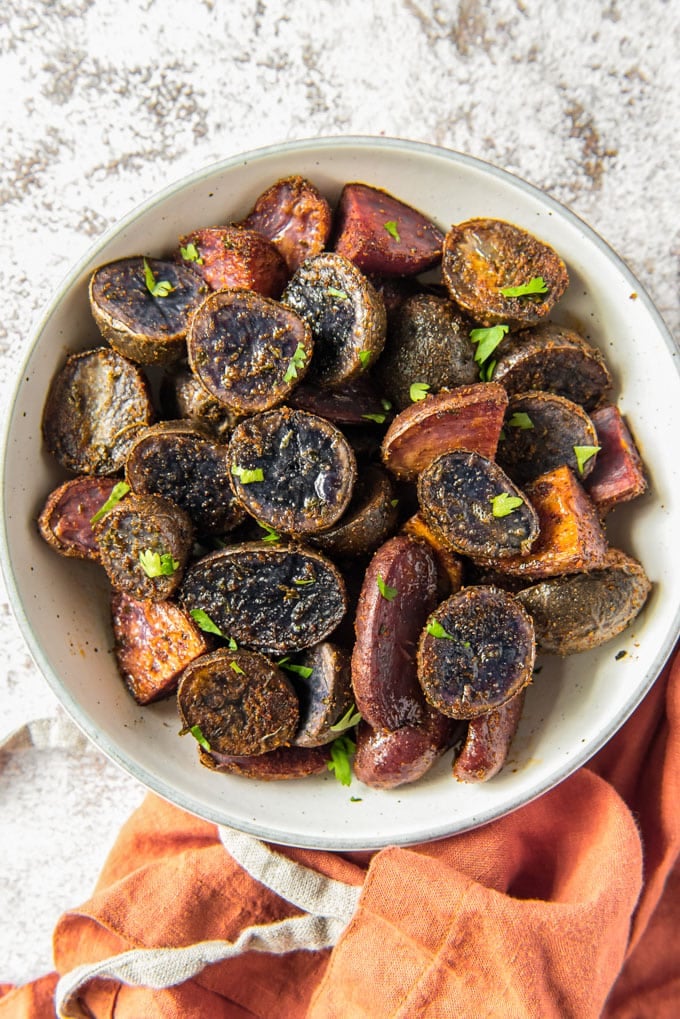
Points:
(573, 706)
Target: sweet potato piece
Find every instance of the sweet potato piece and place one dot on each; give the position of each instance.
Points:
(571, 538)
(382, 234)
(488, 741)
(469, 417)
(618, 474)
(232, 257)
(449, 563)
(154, 643)
(294, 216)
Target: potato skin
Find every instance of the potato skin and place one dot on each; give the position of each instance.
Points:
(487, 742)
(65, 520)
(386, 759)
(294, 216)
(236, 258)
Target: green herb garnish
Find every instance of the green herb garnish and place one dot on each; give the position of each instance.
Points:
(386, 591)
(235, 667)
(341, 750)
(297, 363)
(247, 476)
(520, 420)
(504, 504)
(486, 371)
(205, 623)
(270, 534)
(117, 492)
(364, 356)
(196, 732)
(351, 718)
(435, 629)
(334, 292)
(583, 454)
(391, 227)
(302, 583)
(418, 391)
(487, 340)
(157, 564)
(386, 404)
(190, 254)
(378, 418)
(536, 285)
(300, 670)
(157, 288)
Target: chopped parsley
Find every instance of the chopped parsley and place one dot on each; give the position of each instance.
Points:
(157, 288)
(364, 356)
(386, 404)
(378, 418)
(270, 534)
(391, 227)
(190, 254)
(117, 493)
(351, 718)
(487, 340)
(334, 292)
(583, 454)
(520, 420)
(341, 750)
(504, 504)
(297, 363)
(247, 476)
(300, 670)
(196, 732)
(386, 591)
(302, 582)
(435, 629)
(486, 371)
(205, 623)
(418, 391)
(235, 667)
(536, 285)
(157, 564)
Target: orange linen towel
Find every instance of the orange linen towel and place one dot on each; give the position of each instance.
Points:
(569, 907)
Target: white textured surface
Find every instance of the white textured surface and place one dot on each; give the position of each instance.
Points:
(105, 102)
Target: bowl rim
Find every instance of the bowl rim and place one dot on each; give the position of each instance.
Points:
(102, 740)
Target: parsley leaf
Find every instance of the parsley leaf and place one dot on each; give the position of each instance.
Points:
(487, 340)
(364, 357)
(157, 288)
(504, 504)
(117, 493)
(235, 667)
(334, 292)
(351, 718)
(520, 420)
(386, 591)
(297, 363)
(378, 418)
(300, 670)
(270, 535)
(190, 254)
(486, 371)
(247, 476)
(418, 391)
(341, 750)
(302, 583)
(391, 227)
(196, 732)
(157, 564)
(205, 623)
(536, 285)
(435, 629)
(583, 454)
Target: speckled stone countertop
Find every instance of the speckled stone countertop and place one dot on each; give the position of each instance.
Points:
(106, 101)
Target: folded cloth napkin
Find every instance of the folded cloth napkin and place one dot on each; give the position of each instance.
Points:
(568, 907)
